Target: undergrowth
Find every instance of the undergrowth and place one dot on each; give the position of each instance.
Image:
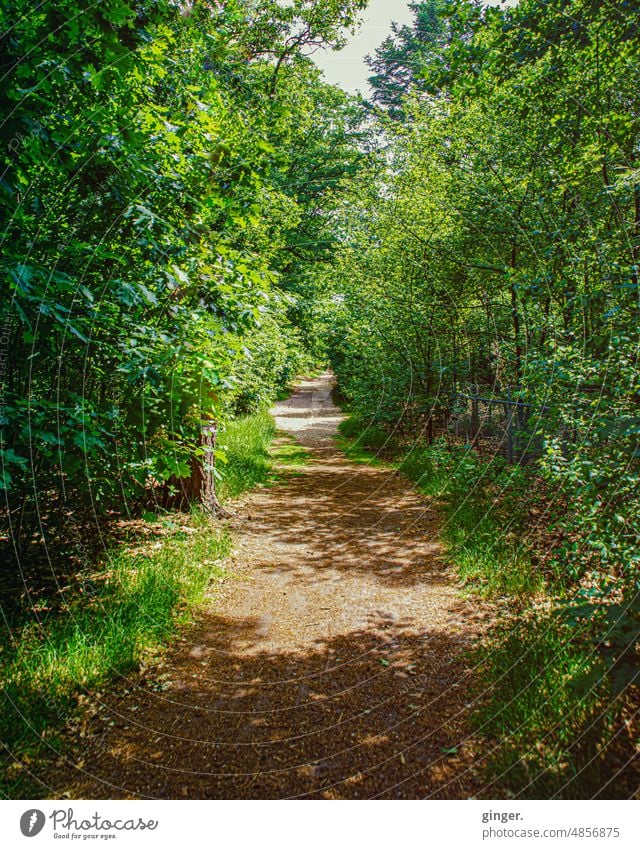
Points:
(140, 596)
(362, 443)
(484, 521)
(558, 728)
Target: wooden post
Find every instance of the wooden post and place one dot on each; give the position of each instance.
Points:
(475, 418)
(454, 414)
(208, 494)
(510, 412)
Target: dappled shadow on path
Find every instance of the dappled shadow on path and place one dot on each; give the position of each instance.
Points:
(349, 519)
(378, 711)
(331, 665)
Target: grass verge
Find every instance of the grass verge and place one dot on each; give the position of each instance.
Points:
(139, 597)
(257, 455)
(361, 443)
(246, 443)
(484, 526)
(560, 731)
(288, 457)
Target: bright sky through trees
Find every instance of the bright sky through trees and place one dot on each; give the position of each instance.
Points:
(347, 67)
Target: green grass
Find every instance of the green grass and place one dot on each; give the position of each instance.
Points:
(545, 729)
(254, 457)
(368, 437)
(484, 521)
(246, 442)
(479, 502)
(552, 728)
(288, 457)
(142, 596)
(551, 731)
(359, 443)
(428, 468)
(355, 452)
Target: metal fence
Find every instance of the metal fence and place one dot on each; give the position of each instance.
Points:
(494, 424)
(499, 425)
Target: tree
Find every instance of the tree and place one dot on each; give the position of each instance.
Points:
(412, 57)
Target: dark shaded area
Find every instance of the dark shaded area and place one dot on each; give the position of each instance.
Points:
(361, 519)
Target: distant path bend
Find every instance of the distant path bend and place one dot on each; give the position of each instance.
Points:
(331, 664)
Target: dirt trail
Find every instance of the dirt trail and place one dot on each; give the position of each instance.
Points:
(330, 664)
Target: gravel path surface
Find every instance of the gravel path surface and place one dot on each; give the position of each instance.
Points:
(330, 664)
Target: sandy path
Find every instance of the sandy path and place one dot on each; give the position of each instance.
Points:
(330, 664)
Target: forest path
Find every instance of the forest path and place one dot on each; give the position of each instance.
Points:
(330, 663)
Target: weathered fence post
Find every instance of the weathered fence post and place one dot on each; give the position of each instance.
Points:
(510, 412)
(475, 418)
(454, 407)
(521, 409)
(209, 437)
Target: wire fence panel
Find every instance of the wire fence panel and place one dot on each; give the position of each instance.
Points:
(497, 425)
